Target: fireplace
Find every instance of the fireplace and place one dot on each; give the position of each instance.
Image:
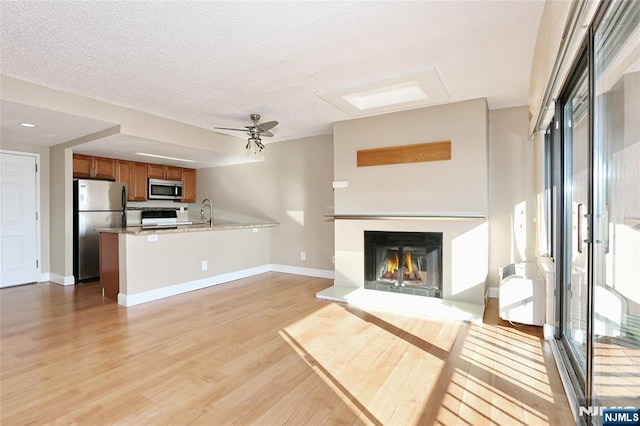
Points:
(403, 262)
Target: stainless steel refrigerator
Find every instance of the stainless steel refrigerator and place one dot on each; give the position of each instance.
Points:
(96, 204)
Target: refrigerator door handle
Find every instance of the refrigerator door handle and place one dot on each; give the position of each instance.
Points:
(124, 197)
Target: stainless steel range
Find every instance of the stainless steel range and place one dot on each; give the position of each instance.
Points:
(161, 219)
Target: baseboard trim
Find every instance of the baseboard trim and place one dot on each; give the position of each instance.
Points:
(58, 279)
(173, 290)
(309, 272)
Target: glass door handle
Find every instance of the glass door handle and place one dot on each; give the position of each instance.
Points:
(584, 228)
(579, 230)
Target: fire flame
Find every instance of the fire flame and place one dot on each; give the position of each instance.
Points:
(392, 263)
(407, 262)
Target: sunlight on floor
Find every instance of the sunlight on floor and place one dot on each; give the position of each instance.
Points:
(410, 355)
(404, 303)
(501, 378)
(458, 372)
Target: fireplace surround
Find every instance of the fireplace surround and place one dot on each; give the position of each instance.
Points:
(403, 262)
(463, 269)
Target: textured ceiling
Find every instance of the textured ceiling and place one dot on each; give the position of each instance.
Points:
(213, 63)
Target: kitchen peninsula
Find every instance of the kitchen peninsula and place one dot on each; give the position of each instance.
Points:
(138, 265)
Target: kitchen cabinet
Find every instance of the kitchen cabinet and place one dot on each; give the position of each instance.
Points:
(134, 175)
(140, 181)
(86, 166)
(188, 185)
(81, 166)
(123, 175)
(159, 171)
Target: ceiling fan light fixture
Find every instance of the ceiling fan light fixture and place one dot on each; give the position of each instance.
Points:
(255, 141)
(254, 132)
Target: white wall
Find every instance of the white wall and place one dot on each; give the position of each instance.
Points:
(458, 185)
(61, 217)
(512, 204)
(292, 186)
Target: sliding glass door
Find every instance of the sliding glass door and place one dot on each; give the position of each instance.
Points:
(599, 217)
(598, 113)
(616, 141)
(577, 172)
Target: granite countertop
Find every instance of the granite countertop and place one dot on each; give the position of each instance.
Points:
(194, 227)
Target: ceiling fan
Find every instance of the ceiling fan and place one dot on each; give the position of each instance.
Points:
(255, 131)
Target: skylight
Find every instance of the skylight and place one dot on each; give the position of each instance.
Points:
(385, 96)
(412, 90)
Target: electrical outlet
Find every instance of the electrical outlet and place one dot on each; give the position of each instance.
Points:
(303, 255)
(333, 259)
(152, 237)
(205, 265)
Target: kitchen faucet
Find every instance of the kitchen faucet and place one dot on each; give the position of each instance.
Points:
(206, 203)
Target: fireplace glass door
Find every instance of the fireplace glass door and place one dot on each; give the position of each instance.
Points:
(404, 262)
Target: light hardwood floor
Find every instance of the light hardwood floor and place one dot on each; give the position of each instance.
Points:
(263, 350)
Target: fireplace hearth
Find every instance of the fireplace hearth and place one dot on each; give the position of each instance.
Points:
(404, 262)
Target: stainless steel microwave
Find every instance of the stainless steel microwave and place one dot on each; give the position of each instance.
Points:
(162, 189)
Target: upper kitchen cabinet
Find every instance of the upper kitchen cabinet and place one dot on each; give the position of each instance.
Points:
(159, 171)
(188, 185)
(85, 166)
(140, 181)
(134, 176)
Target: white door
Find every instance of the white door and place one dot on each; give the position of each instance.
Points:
(18, 223)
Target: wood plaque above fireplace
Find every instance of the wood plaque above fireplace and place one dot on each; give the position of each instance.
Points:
(417, 153)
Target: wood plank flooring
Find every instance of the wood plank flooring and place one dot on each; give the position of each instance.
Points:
(263, 350)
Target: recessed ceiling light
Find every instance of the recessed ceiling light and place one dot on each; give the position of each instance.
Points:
(165, 157)
(28, 125)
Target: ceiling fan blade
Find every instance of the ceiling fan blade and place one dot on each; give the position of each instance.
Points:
(267, 134)
(265, 127)
(229, 128)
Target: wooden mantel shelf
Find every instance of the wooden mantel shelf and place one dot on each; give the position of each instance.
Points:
(409, 216)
